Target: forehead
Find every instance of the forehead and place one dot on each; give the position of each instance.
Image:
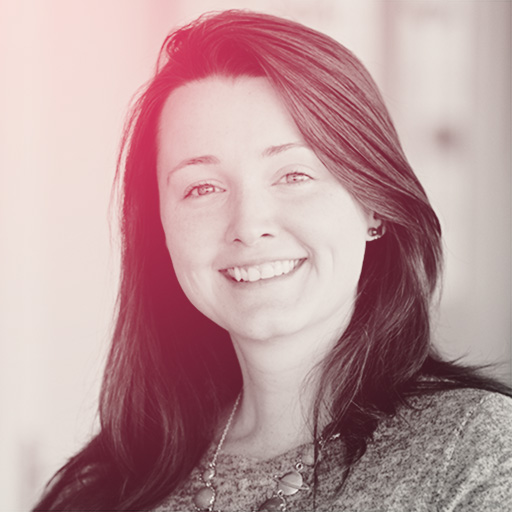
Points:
(224, 114)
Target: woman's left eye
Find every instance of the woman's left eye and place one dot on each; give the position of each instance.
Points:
(294, 177)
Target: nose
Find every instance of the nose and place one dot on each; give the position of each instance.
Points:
(251, 218)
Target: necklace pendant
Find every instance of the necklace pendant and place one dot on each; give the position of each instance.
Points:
(290, 483)
(308, 457)
(275, 504)
(204, 499)
(208, 474)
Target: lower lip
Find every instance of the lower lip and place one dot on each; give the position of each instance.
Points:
(263, 281)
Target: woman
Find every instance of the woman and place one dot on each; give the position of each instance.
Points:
(264, 185)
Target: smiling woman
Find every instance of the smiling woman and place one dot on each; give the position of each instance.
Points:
(249, 201)
(280, 260)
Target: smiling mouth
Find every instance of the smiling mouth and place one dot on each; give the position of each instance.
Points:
(267, 270)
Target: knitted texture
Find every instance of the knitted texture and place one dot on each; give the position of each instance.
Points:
(451, 452)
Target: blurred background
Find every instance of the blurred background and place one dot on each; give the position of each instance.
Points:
(68, 72)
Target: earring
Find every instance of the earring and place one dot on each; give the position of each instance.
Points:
(376, 233)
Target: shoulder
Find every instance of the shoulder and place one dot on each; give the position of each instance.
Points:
(452, 419)
(463, 424)
(450, 451)
(457, 411)
(476, 469)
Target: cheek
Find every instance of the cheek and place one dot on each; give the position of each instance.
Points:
(187, 263)
(337, 237)
(335, 221)
(191, 243)
(186, 247)
(349, 243)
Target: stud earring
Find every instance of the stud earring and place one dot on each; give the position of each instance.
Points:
(376, 233)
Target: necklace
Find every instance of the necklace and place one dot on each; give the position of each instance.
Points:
(287, 484)
(205, 497)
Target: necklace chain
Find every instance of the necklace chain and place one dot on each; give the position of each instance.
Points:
(287, 484)
(226, 430)
(204, 499)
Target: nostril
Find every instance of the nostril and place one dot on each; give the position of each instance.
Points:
(251, 239)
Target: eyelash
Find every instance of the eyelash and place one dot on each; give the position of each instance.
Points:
(303, 177)
(190, 191)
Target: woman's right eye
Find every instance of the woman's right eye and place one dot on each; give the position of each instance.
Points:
(203, 189)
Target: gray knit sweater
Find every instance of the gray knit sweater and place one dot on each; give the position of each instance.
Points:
(452, 452)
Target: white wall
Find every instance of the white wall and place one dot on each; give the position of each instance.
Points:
(449, 90)
(68, 72)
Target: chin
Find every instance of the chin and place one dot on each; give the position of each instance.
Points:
(264, 328)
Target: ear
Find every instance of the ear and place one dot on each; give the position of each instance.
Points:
(376, 227)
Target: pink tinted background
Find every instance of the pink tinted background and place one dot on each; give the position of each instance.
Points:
(69, 70)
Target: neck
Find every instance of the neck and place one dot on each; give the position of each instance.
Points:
(279, 391)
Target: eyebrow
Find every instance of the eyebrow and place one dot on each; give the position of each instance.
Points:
(197, 160)
(275, 150)
(212, 160)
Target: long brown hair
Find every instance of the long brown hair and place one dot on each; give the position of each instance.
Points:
(171, 371)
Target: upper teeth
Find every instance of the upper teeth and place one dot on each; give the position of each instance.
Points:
(263, 271)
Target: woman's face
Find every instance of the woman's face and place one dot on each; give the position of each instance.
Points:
(264, 240)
